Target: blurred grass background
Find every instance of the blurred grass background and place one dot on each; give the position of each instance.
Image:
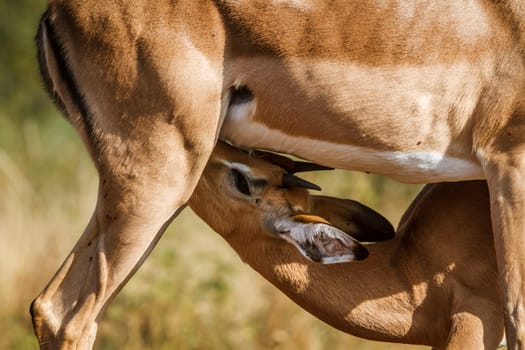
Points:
(192, 293)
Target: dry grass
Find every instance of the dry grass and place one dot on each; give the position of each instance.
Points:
(192, 293)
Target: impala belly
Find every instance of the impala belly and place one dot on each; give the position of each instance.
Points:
(409, 166)
(399, 121)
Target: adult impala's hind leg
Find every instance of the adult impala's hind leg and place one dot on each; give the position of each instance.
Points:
(146, 102)
(133, 209)
(506, 179)
(148, 165)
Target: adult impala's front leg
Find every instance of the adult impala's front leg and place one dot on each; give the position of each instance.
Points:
(503, 161)
(148, 112)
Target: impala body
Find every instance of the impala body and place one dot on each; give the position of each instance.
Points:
(434, 284)
(423, 91)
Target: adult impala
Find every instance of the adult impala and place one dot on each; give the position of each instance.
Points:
(434, 284)
(422, 91)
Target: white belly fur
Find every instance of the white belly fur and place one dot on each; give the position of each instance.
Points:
(421, 166)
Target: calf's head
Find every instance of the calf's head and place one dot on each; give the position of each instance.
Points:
(244, 194)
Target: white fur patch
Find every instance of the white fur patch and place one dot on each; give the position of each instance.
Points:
(239, 112)
(410, 167)
(503, 341)
(237, 166)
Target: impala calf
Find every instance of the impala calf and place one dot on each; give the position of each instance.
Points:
(422, 91)
(434, 284)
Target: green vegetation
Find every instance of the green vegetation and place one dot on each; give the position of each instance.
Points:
(193, 292)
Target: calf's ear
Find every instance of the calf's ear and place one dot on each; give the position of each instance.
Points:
(318, 240)
(354, 218)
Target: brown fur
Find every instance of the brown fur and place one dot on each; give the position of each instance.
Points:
(434, 284)
(147, 84)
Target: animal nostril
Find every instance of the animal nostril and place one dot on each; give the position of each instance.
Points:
(257, 201)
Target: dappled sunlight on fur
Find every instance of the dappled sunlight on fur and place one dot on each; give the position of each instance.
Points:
(194, 291)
